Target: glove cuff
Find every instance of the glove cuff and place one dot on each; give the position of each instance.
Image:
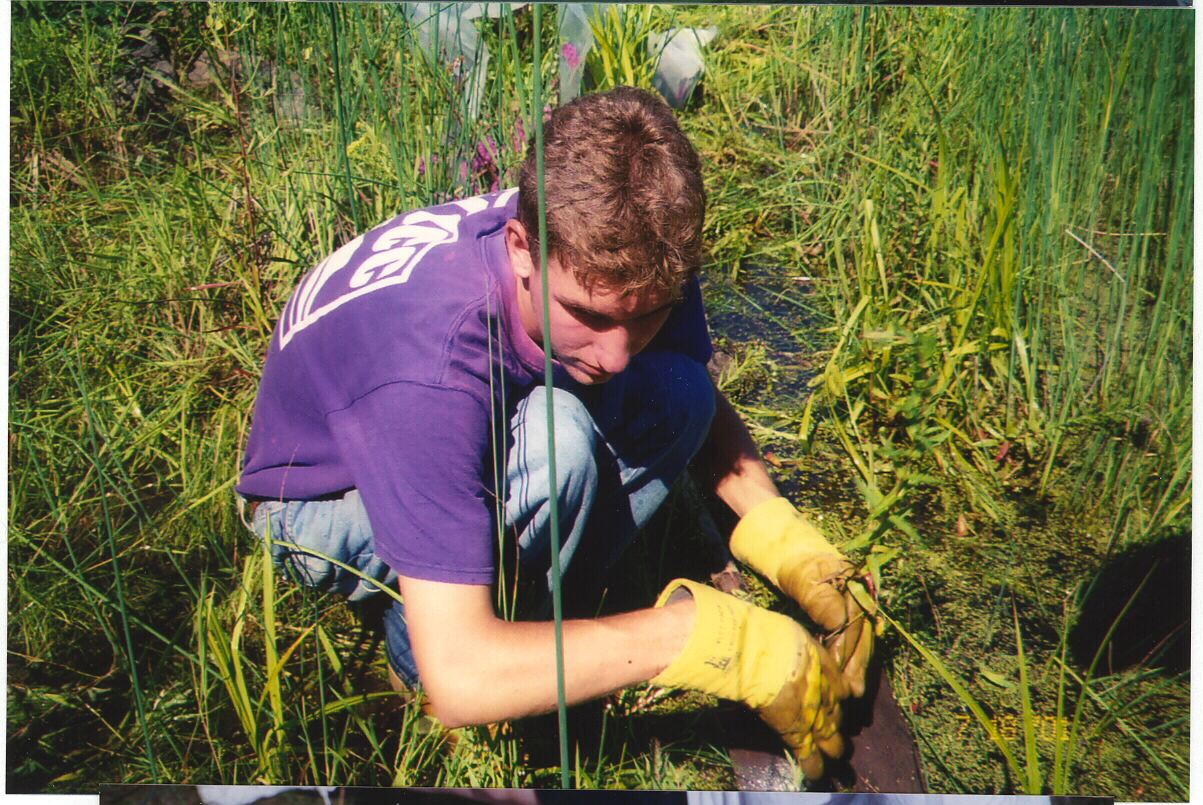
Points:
(772, 532)
(736, 650)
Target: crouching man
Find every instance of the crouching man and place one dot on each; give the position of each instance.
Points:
(404, 396)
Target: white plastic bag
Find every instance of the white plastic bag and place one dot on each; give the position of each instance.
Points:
(681, 65)
(576, 39)
(448, 36)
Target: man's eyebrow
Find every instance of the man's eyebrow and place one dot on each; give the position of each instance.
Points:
(588, 311)
(579, 308)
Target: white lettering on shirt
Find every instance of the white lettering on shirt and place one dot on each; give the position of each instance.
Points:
(393, 256)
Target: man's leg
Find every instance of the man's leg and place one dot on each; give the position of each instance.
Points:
(620, 447)
(337, 529)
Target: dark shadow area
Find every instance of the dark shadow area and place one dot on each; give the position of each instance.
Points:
(1155, 631)
(882, 756)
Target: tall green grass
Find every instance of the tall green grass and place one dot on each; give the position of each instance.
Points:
(145, 284)
(1016, 284)
(996, 207)
(1002, 203)
(921, 166)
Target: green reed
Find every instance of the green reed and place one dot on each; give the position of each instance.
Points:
(1013, 259)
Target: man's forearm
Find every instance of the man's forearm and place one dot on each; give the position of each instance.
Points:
(478, 669)
(730, 462)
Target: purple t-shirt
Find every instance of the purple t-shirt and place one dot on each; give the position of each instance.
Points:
(386, 371)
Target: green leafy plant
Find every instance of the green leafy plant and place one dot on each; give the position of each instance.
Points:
(619, 56)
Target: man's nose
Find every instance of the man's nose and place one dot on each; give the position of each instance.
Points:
(613, 350)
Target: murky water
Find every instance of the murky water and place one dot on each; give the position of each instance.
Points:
(778, 317)
(764, 304)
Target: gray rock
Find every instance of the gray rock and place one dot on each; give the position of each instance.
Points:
(143, 84)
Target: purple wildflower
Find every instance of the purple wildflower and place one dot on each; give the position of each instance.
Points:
(484, 165)
(486, 152)
(422, 164)
(571, 57)
(519, 137)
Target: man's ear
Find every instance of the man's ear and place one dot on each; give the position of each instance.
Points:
(519, 247)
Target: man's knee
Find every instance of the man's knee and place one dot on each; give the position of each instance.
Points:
(692, 392)
(575, 433)
(679, 396)
(529, 468)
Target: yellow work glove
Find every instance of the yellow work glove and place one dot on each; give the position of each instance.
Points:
(776, 541)
(766, 660)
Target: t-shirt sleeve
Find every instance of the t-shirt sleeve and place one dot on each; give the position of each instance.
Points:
(416, 454)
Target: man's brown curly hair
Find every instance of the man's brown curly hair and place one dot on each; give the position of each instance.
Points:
(625, 200)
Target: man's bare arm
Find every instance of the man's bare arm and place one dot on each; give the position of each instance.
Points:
(730, 462)
(477, 668)
(782, 545)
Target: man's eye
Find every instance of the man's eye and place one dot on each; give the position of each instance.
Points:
(595, 320)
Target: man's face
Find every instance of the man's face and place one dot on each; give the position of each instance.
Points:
(594, 334)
